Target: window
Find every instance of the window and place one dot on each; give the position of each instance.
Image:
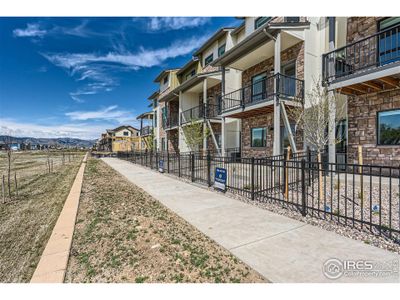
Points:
(166, 79)
(164, 116)
(191, 74)
(221, 50)
(155, 103)
(388, 42)
(292, 19)
(163, 144)
(341, 136)
(126, 133)
(209, 59)
(261, 21)
(388, 127)
(259, 137)
(155, 119)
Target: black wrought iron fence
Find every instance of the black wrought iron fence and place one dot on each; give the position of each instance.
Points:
(360, 196)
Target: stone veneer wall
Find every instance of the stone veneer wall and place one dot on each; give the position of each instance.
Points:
(360, 27)
(212, 94)
(362, 118)
(264, 120)
(216, 127)
(173, 107)
(173, 140)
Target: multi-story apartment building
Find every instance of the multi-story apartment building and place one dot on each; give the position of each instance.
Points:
(274, 56)
(193, 97)
(363, 65)
(165, 131)
(242, 82)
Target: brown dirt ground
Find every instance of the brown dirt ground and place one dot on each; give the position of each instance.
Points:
(27, 220)
(124, 235)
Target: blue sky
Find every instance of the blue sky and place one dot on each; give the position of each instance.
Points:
(78, 76)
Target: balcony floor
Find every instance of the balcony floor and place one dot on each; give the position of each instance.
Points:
(256, 109)
(369, 81)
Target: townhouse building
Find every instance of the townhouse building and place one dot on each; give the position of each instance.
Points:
(243, 81)
(193, 97)
(274, 56)
(363, 65)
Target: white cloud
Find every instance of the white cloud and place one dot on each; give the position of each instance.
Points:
(108, 113)
(31, 30)
(175, 23)
(99, 68)
(143, 58)
(78, 130)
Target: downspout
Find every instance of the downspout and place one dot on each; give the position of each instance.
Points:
(332, 104)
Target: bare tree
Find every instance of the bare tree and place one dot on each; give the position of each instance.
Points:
(149, 141)
(194, 134)
(313, 119)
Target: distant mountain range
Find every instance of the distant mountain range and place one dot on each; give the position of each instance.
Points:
(63, 142)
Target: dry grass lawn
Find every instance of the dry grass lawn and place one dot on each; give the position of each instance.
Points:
(26, 221)
(124, 235)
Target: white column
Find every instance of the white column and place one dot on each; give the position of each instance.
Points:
(180, 133)
(205, 144)
(223, 137)
(277, 113)
(332, 103)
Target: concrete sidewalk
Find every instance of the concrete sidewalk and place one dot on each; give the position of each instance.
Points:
(54, 260)
(279, 248)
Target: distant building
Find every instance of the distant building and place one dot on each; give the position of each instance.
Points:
(122, 138)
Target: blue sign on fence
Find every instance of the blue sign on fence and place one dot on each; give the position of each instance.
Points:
(220, 179)
(161, 166)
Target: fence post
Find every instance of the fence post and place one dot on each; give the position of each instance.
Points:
(16, 183)
(309, 165)
(3, 189)
(303, 188)
(192, 165)
(167, 161)
(252, 178)
(179, 164)
(286, 164)
(208, 168)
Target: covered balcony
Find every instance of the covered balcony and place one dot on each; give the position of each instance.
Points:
(371, 64)
(171, 121)
(259, 96)
(146, 130)
(200, 113)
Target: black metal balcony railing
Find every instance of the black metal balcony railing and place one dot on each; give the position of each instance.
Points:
(202, 111)
(369, 53)
(289, 88)
(146, 130)
(172, 120)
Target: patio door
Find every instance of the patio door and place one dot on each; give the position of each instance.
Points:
(389, 41)
(258, 87)
(288, 81)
